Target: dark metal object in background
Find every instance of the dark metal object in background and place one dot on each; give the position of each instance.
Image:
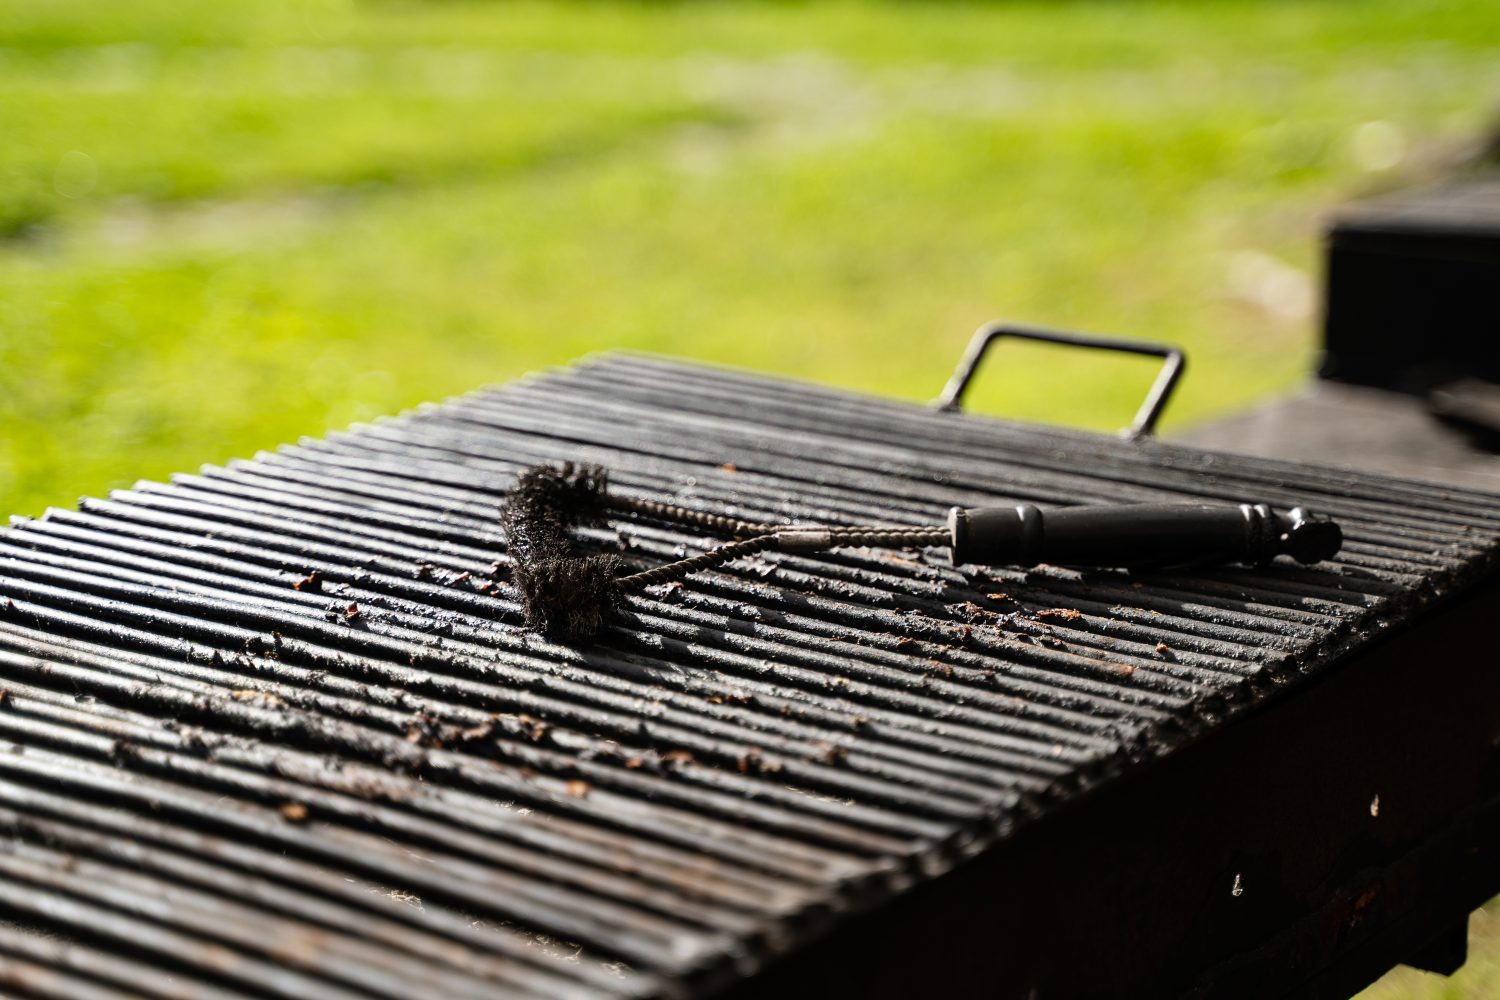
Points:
(1412, 287)
(1411, 353)
(275, 729)
(1146, 417)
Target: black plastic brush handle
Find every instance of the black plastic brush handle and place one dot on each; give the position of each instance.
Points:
(1147, 535)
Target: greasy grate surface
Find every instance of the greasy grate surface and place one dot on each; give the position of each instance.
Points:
(273, 729)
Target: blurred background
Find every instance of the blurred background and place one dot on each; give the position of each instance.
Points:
(223, 226)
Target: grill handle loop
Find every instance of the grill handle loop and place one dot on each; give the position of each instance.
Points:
(1174, 362)
(1139, 536)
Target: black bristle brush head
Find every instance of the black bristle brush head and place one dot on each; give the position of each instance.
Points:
(570, 598)
(546, 502)
(563, 595)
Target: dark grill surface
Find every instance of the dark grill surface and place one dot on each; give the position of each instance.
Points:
(273, 729)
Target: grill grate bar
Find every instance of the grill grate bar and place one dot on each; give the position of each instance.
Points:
(927, 513)
(704, 800)
(865, 416)
(468, 810)
(292, 886)
(469, 638)
(710, 739)
(126, 918)
(765, 695)
(947, 493)
(883, 469)
(1291, 621)
(627, 664)
(884, 622)
(634, 933)
(766, 883)
(898, 460)
(855, 576)
(343, 961)
(333, 496)
(52, 967)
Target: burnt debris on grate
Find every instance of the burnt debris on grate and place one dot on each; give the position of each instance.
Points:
(275, 729)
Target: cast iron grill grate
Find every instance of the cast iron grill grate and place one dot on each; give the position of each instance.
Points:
(273, 729)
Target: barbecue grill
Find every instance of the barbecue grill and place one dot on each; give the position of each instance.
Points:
(275, 729)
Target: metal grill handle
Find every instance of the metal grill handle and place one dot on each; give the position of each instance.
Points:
(1145, 418)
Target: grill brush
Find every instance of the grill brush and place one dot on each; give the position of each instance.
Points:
(569, 596)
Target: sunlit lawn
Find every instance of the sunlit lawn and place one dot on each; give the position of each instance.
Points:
(226, 225)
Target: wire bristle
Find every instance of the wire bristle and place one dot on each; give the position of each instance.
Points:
(563, 595)
(570, 598)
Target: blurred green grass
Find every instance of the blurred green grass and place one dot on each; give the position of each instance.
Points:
(226, 225)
